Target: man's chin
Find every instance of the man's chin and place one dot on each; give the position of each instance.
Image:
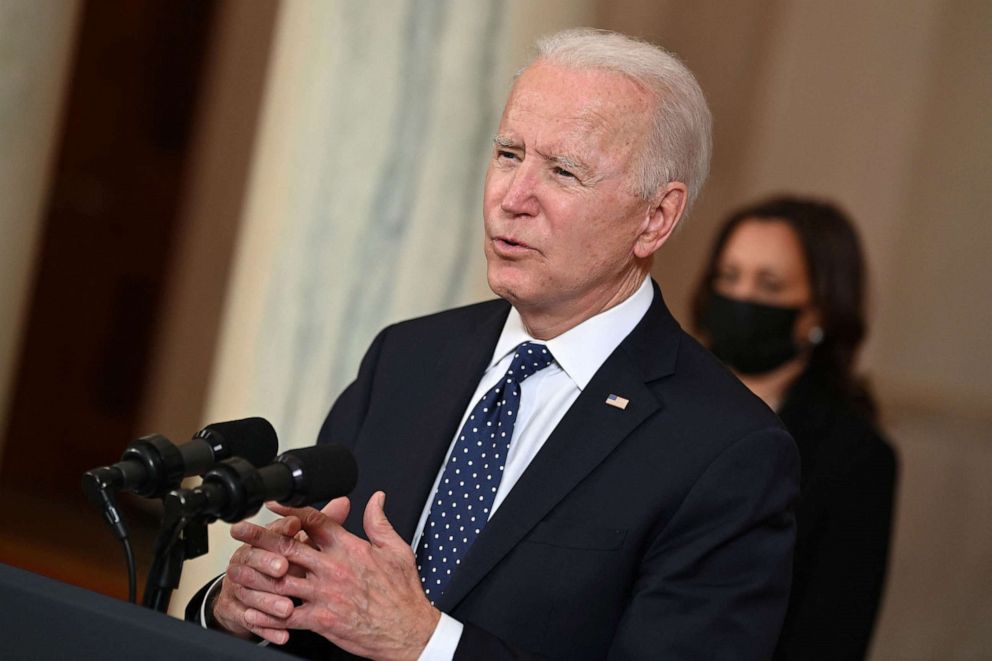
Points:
(507, 289)
(502, 291)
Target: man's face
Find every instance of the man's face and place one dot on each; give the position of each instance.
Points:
(561, 214)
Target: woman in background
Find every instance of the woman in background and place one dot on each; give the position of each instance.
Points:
(781, 303)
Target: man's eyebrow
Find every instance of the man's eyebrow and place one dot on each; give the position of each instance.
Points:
(565, 161)
(568, 162)
(503, 141)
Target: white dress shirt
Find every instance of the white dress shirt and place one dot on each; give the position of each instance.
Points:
(545, 397)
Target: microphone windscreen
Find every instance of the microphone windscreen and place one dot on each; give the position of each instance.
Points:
(326, 471)
(253, 439)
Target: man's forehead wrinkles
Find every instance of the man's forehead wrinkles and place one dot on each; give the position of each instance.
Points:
(590, 117)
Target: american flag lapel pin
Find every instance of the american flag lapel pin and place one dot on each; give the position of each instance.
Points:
(617, 401)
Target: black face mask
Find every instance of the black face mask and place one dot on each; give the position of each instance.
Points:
(749, 337)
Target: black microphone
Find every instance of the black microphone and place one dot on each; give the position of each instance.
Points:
(152, 466)
(234, 490)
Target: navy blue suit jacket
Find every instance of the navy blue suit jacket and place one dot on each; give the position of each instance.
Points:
(662, 531)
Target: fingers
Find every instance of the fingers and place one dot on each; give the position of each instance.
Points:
(259, 559)
(322, 529)
(287, 548)
(336, 510)
(249, 596)
(288, 526)
(235, 603)
(275, 636)
(290, 585)
(283, 510)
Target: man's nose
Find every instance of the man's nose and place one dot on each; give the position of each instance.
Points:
(520, 197)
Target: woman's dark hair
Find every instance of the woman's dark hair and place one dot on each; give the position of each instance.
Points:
(837, 278)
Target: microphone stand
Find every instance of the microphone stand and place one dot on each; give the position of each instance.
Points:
(183, 536)
(233, 482)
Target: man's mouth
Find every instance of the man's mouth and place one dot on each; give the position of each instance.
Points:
(512, 242)
(510, 247)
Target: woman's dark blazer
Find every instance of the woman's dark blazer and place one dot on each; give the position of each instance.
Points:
(845, 517)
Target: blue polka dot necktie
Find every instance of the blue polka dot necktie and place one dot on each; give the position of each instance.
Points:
(465, 494)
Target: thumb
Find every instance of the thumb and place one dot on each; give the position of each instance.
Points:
(378, 528)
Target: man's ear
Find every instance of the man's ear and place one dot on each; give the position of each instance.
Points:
(661, 218)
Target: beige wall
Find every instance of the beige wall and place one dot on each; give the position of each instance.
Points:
(884, 107)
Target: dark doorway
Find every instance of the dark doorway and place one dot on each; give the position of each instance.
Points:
(109, 225)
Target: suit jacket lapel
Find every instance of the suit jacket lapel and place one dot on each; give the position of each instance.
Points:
(587, 434)
(456, 376)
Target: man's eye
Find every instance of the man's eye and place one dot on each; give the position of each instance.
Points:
(562, 172)
(502, 153)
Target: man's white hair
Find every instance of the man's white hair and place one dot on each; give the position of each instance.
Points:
(679, 147)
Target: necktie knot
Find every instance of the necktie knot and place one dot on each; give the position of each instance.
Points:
(528, 359)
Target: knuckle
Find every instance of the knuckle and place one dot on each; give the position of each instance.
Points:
(326, 620)
(233, 576)
(246, 532)
(259, 560)
(285, 525)
(339, 572)
(246, 620)
(238, 557)
(313, 517)
(277, 606)
(286, 546)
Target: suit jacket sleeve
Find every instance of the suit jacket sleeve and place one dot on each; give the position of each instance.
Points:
(714, 583)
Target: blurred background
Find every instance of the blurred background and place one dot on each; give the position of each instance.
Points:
(209, 207)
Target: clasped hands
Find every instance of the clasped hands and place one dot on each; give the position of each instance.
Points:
(363, 596)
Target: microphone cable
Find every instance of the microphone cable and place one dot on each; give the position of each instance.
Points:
(132, 573)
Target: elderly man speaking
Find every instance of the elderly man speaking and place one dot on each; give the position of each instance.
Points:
(562, 472)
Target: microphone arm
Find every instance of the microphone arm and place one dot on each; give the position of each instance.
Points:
(183, 535)
(152, 466)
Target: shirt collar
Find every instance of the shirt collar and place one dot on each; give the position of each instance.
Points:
(581, 351)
